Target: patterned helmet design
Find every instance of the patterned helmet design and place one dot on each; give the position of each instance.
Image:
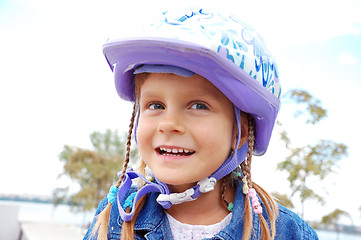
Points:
(229, 37)
(222, 49)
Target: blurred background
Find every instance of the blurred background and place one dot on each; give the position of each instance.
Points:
(58, 103)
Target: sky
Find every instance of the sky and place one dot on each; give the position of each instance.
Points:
(56, 87)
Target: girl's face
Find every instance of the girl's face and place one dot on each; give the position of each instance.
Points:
(185, 127)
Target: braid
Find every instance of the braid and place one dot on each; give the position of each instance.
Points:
(246, 165)
(128, 227)
(246, 170)
(265, 197)
(129, 142)
(102, 221)
(227, 181)
(223, 190)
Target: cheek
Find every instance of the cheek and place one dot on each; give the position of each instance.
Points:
(216, 133)
(143, 135)
(143, 127)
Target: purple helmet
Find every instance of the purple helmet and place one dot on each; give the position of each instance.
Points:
(226, 51)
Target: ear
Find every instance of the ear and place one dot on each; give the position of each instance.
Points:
(244, 131)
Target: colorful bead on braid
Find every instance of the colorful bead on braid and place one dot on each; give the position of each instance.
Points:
(129, 201)
(254, 199)
(245, 185)
(112, 195)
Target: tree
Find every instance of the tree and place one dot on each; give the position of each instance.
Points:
(312, 105)
(283, 199)
(312, 160)
(93, 170)
(333, 219)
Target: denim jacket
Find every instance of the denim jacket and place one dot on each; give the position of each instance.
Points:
(152, 223)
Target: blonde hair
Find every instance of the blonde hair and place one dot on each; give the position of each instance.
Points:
(101, 226)
(267, 199)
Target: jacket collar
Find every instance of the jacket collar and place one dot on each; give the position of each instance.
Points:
(151, 215)
(152, 218)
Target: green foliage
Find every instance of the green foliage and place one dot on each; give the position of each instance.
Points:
(283, 199)
(309, 161)
(334, 217)
(313, 106)
(317, 160)
(94, 170)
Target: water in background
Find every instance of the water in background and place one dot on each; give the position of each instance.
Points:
(45, 211)
(30, 211)
(325, 235)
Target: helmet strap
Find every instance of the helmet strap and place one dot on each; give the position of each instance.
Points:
(167, 199)
(208, 184)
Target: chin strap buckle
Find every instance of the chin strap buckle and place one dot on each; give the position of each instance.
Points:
(177, 198)
(207, 184)
(203, 186)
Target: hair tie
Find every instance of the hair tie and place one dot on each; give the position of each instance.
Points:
(230, 206)
(252, 195)
(236, 175)
(255, 202)
(112, 195)
(129, 201)
(245, 185)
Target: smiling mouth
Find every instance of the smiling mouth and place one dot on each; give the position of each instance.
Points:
(174, 151)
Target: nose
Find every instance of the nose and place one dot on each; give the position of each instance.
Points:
(171, 122)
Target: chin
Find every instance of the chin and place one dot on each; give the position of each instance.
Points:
(177, 184)
(171, 181)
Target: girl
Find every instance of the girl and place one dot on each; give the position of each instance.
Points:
(206, 95)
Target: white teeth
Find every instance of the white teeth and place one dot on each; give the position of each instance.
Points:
(174, 150)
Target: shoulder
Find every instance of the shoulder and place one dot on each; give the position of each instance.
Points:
(115, 221)
(290, 226)
(103, 204)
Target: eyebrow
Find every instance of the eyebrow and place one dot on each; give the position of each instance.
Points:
(150, 93)
(192, 93)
